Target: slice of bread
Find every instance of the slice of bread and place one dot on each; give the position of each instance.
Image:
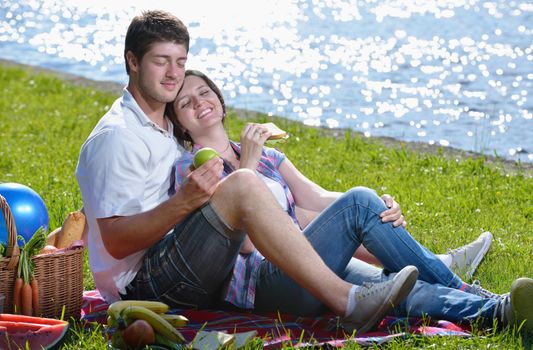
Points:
(277, 133)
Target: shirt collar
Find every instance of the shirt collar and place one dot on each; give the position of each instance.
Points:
(131, 103)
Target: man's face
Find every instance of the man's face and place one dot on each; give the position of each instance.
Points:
(161, 71)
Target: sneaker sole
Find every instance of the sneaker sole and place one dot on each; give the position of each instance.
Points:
(406, 280)
(522, 302)
(481, 254)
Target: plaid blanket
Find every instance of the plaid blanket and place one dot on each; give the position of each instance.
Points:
(278, 330)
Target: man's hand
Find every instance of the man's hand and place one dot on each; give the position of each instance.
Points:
(202, 182)
(394, 212)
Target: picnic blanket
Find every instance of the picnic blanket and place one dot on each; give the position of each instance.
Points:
(278, 330)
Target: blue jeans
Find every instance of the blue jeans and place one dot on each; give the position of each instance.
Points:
(337, 232)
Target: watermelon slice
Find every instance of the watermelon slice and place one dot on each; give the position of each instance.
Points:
(38, 333)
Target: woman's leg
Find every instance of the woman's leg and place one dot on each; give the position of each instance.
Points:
(354, 219)
(464, 259)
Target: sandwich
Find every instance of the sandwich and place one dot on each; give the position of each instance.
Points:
(277, 134)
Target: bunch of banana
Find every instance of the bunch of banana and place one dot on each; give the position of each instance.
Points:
(123, 314)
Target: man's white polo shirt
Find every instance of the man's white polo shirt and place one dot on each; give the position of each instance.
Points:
(125, 167)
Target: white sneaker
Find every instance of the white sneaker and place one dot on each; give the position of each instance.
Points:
(467, 258)
(375, 300)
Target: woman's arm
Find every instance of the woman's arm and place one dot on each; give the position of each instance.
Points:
(252, 139)
(310, 196)
(311, 199)
(307, 194)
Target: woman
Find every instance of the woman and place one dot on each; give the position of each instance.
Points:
(346, 221)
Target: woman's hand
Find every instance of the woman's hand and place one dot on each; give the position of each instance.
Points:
(253, 138)
(394, 213)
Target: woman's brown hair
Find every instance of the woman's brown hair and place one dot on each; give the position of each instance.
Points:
(181, 134)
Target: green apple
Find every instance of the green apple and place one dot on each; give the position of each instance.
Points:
(203, 155)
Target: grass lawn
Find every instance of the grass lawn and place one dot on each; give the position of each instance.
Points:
(448, 201)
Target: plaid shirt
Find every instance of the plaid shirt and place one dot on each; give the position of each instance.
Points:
(241, 288)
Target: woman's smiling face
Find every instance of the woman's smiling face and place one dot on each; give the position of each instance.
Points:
(197, 106)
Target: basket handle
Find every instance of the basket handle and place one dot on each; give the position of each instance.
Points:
(13, 250)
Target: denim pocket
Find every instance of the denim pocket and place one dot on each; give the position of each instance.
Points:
(185, 295)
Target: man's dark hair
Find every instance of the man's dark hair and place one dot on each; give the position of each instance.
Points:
(152, 27)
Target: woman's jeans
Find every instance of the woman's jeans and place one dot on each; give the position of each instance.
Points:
(351, 220)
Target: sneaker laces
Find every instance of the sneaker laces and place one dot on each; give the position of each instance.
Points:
(482, 292)
(460, 250)
(369, 288)
(368, 285)
(455, 251)
(502, 310)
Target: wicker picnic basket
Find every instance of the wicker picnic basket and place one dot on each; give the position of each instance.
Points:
(60, 275)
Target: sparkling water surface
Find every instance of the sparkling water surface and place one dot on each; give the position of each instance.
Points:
(455, 73)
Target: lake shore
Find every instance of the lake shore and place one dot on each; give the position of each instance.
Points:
(508, 166)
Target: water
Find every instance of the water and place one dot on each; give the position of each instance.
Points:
(455, 73)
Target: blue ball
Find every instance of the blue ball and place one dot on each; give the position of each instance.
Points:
(28, 210)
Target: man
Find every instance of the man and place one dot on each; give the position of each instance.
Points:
(145, 241)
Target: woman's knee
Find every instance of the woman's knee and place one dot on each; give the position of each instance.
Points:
(365, 197)
(362, 195)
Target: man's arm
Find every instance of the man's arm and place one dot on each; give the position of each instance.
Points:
(125, 235)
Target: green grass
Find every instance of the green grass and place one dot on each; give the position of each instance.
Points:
(447, 201)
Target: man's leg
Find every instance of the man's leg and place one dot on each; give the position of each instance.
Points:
(245, 203)
(433, 300)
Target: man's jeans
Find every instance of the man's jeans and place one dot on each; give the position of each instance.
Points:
(188, 267)
(337, 232)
